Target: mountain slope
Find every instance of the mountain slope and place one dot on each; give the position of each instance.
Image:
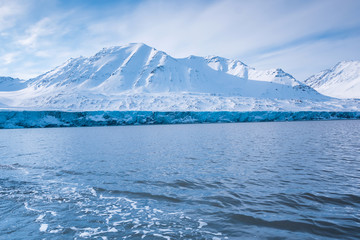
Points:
(341, 81)
(139, 77)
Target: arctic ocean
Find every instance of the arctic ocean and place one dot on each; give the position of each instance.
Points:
(277, 180)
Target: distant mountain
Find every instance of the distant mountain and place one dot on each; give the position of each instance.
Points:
(139, 77)
(11, 84)
(341, 81)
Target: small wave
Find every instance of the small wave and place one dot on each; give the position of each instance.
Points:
(225, 201)
(188, 184)
(321, 228)
(141, 195)
(338, 199)
(70, 172)
(8, 167)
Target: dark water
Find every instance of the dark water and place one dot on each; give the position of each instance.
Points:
(287, 180)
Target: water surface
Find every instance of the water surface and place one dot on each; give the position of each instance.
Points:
(285, 180)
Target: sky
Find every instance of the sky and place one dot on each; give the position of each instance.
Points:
(302, 37)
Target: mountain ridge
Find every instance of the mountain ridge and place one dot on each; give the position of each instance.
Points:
(140, 67)
(139, 77)
(340, 81)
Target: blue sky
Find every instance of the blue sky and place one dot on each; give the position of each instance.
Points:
(300, 36)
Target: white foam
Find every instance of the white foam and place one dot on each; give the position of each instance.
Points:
(215, 234)
(175, 213)
(85, 234)
(108, 218)
(93, 192)
(52, 213)
(157, 211)
(112, 230)
(43, 227)
(29, 208)
(40, 217)
(58, 229)
(201, 223)
(115, 211)
(162, 236)
(123, 221)
(133, 205)
(88, 232)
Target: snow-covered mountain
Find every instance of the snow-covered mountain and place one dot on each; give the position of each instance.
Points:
(139, 77)
(140, 68)
(11, 84)
(341, 81)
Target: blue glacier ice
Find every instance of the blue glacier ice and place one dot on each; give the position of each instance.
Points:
(41, 119)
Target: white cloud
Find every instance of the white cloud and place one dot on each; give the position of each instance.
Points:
(9, 57)
(9, 13)
(44, 27)
(228, 28)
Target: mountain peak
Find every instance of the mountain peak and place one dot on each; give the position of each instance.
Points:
(348, 61)
(131, 47)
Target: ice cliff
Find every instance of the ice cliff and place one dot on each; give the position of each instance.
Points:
(31, 119)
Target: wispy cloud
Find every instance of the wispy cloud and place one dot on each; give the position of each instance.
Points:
(10, 57)
(42, 28)
(299, 35)
(10, 11)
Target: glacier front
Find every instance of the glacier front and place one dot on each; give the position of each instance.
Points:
(42, 119)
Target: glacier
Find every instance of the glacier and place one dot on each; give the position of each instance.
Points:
(45, 119)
